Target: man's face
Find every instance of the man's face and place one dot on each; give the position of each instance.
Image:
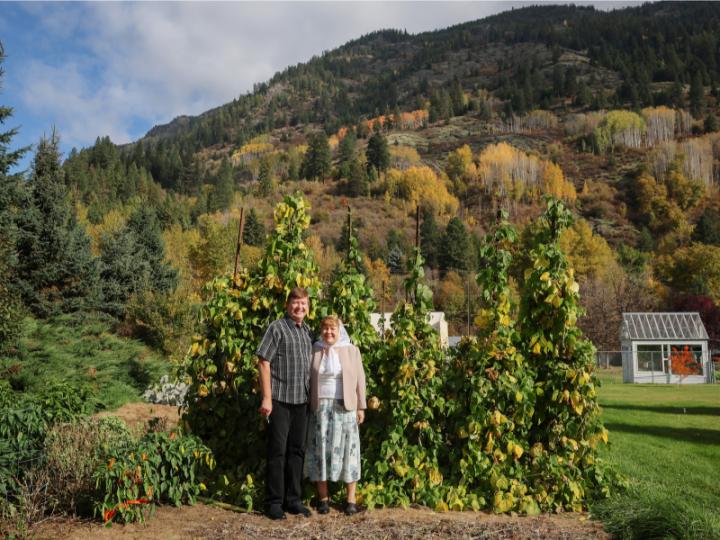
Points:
(297, 308)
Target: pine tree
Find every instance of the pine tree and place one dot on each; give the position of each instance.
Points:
(347, 154)
(377, 153)
(358, 184)
(697, 95)
(318, 159)
(254, 232)
(430, 237)
(455, 247)
(56, 270)
(221, 196)
(265, 177)
(395, 260)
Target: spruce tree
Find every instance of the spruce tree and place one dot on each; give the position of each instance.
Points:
(145, 226)
(254, 231)
(265, 177)
(10, 196)
(56, 270)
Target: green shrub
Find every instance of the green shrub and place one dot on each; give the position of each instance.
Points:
(161, 467)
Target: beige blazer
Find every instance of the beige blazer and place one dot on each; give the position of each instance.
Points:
(353, 376)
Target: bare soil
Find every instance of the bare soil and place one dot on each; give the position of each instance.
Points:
(202, 522)
(136, 415)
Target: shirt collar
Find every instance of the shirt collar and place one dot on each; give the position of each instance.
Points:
(291, 322)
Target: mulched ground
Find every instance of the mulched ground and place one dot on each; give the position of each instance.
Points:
(201, 522)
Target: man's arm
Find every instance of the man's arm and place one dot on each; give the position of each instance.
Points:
(264, 376)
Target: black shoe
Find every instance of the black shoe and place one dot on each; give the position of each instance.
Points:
(297, 509)
(275, 513)
(351, 509)
(323, 507)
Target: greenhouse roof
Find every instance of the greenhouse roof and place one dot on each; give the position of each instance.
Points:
(638, 326)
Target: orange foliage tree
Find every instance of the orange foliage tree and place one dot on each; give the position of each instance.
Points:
(684, 363)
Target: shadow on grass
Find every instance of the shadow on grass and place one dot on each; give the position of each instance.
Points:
(666, 409)
(693, 435)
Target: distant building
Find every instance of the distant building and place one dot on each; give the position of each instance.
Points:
(649, 340)
(436, 319)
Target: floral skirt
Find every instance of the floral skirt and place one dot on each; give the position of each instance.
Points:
(333, 445)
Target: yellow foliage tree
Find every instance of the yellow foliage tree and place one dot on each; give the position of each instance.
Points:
(554, 183)
(420, 185)
(458, 162)
(589, 254)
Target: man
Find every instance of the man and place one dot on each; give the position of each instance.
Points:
(284, 364)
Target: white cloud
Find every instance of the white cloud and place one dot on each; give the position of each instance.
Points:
(137, 64)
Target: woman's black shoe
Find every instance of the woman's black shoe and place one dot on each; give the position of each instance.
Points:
(351, 509)
(323, 507)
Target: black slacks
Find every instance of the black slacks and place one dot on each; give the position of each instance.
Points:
(285, 453)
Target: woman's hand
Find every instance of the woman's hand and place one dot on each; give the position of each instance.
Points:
(360, 416)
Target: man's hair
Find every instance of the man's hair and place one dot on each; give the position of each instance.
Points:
(297, 293)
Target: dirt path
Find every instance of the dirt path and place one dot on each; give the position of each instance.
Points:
(203, 522)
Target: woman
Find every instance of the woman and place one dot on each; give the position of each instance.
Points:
(337, 401)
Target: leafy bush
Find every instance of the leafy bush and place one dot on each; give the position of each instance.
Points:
(161, 467)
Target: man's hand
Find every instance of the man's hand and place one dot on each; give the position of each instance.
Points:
(360, 416)
(266, 407)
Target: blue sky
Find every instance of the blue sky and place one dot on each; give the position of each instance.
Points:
(117, 68)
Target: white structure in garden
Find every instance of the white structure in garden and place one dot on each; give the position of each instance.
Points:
(649, 340)
(435, 318)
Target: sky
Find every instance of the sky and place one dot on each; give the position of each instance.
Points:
(119, 68)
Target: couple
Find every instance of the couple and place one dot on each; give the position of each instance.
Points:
(330, 375)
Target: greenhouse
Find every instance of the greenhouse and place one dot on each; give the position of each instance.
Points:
(665, 348)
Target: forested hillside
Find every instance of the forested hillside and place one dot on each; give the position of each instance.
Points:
(613, 112)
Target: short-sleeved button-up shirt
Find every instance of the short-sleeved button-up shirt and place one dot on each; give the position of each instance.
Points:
(288, 348)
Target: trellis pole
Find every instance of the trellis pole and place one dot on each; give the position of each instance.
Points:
(238, 244)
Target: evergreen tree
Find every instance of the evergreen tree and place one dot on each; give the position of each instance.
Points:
(697, 95)
(254, 231)
(347, 154)
(123, 271)
(221, 196)
(710, 124)
(358, 184)
(395, 260)
(457, 96)
(430, 237)
(318, 158)
(10, 196)
(265, 177)
(455, 247)
(145, 226)
(707, 230)
(377, 153)
(56, 270)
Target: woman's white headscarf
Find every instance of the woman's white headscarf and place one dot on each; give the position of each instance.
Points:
(330, 362)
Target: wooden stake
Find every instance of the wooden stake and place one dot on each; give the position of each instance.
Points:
(241, 229)
(349, 229)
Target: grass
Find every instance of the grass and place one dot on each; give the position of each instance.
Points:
(83, 349)
(665, 440)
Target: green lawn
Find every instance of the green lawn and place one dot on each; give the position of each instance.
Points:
(83, 349)
(665, 440)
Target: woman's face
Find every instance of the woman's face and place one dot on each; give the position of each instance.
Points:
(329, 333)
